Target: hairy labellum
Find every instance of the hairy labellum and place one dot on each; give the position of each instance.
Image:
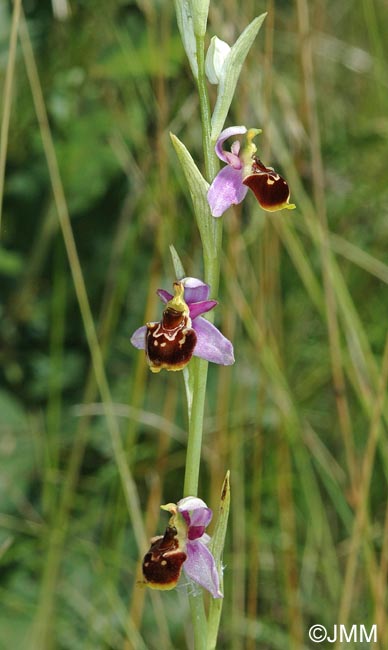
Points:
(170, 344)
(270, 189)
(162, 565)
(183, 331)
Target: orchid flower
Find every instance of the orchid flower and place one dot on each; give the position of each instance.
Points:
(243, 170)
(184, 545)
(182, 332)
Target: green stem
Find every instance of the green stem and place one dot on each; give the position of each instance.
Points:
(211, 165)
(199, 367)
(211, 262)
(198, 618)
(198, 371)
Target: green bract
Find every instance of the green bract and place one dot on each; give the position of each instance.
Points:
(217, 548)
(200, 10)
(198, 188)
(230, 74)
(177, 263)
(184, 18)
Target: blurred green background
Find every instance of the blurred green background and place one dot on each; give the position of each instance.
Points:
(300, 420)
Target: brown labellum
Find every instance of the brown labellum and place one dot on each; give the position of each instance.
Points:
(270, 189)
(170, 344)
(162, 565)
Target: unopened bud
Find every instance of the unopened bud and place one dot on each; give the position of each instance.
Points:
(215, 59)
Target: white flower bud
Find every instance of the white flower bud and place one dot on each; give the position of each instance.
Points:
(215, 59)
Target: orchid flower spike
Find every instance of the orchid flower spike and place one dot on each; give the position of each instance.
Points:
(244, 169)
(182, 332)
(183, 545)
